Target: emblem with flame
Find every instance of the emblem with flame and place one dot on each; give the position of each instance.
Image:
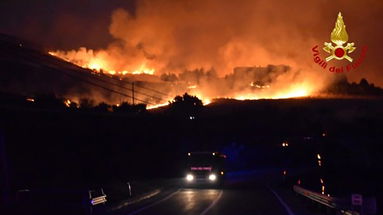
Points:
(339, 37)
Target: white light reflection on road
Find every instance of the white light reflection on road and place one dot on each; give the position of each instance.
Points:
(193, 197)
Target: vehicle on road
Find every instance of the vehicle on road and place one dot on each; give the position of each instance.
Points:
(205, 168)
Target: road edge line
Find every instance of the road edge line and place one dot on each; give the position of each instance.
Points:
(153, 204)
(289, 211)
(213, 203)
(137, 200)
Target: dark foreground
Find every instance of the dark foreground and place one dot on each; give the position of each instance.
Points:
(242, 194)
(257, 200)
(45, 148)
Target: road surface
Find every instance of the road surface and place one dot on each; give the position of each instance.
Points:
(234, 200)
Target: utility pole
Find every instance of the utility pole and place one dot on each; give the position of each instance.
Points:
(133, 92)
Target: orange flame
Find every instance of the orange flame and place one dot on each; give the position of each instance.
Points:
(99, 63)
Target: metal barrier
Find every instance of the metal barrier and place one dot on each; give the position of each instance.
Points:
(328, 201)
(318, 197)
(97, 198)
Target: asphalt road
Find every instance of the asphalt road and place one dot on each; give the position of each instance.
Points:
(236, 200)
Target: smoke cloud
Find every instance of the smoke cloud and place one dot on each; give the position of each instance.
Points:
(219, 35)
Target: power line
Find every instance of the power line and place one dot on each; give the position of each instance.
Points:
(105, 88)
(123, 87)
(150, 89)
(86, 71)
(130, 82)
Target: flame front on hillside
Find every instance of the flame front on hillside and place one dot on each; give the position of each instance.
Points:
(250, 83)
(98, 62)
(182, 47)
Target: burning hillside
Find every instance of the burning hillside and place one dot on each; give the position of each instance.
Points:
(161, 49)
(227, 55)
(254, 82)
(243, 83)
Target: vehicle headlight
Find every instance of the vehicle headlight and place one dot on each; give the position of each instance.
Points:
(189, 177)
(212, 177)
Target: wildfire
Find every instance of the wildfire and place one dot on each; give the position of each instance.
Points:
(256, 90)
(95, 64)
(187, 54)
(294, 92)
(157, 106)
(206, 101)
(99, 63)
(143, 70)
(67, 102)
(298, 91)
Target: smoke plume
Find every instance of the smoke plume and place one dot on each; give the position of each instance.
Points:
(171, 37)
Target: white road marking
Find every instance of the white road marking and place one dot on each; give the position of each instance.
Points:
(282, 202)
(134, 201)
(153, 204)
(213, 203)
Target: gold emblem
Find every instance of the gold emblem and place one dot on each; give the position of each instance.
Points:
(339, 37)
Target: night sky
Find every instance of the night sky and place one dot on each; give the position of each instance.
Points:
(55, 23)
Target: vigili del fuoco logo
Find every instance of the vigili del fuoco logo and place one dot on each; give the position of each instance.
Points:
(339, 49)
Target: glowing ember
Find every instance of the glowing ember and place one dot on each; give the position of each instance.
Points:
(67, 102)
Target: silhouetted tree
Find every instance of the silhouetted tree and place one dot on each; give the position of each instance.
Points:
(73, 105)
(186, 105)
(128, 108)
(86, 103)
(341, 86)
(102, 107)
(49, 101)
(123, 107)
(364, 83)
(140, 108)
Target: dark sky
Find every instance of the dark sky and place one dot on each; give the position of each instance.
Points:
(51, 22)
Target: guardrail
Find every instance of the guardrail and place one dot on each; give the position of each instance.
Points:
(97, 196)
(98, 200)
(318, 197)
(331, 202)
